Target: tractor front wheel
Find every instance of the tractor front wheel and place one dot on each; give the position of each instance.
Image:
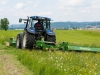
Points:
(19, 40)
(28, 40)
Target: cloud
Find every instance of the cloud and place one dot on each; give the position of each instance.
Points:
(95, 4)
(44, 13)
(70, 3)
(73, 10)
(4, 2)
(1, 13)
(79, 10)
(24, 14)
(85, 11)
(79, 6)
(19, 5)
(75, 4)
(33, 4)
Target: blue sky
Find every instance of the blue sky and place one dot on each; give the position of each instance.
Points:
(58, 10)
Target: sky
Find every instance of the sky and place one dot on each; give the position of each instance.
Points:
(57, 10)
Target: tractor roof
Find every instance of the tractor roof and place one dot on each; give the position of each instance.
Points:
(41, 18)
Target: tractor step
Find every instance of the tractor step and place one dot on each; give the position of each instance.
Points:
(47, 42)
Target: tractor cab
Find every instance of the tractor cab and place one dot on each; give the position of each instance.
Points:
(37, 28)
(41, 22)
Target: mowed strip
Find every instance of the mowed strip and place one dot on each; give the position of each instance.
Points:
(10, 66)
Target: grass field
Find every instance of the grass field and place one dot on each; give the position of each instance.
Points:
(5, 35)
(77, 37)
(57, 62)
(80, 37)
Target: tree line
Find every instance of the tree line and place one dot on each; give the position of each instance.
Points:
(4, 24)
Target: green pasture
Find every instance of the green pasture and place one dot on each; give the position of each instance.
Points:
(79, 37)
(57, 62)
(76, 37)
(5, 35)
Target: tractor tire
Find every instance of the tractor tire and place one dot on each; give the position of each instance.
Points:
(28, 40)
(51, 38)
(19, 41)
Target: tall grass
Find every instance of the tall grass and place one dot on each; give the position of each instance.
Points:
(79, 37)
(76, 37)
(61, 63)
(5, 35)
(57, 62)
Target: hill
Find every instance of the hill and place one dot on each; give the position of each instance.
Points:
(61, 25)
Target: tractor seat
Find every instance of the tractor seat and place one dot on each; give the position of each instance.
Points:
(38, 27)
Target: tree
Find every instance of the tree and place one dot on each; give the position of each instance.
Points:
(4, 24)
(0, 25)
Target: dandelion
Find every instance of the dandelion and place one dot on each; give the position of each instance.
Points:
(56, 57)
(61, 66)
(61, 63)
(80, 70)
(96, 64)
(90, 71)
(61, 58)
(64, 69)
(86, 57)
(81, 60)
(56, 60)
(95, 73)
(51, 57)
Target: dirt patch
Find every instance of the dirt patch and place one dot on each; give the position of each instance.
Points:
(10, 66)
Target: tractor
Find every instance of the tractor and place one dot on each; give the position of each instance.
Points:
(36, 28)
(38, 34)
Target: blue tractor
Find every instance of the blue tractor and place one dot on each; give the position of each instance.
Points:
(37, 27)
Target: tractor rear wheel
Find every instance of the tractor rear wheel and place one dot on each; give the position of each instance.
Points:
(51, 38)
(28, 40)
(19, 40)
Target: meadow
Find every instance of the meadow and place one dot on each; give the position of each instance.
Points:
(79, 37)
(57, 62)
(76, 37)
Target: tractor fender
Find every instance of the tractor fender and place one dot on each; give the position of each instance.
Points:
(50, 32)
(31, 30)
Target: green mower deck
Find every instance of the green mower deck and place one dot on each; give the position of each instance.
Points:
(78, 48)
(12, 42)
(45, 45)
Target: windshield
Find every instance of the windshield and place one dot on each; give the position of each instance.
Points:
(34, 22)
(45, 23)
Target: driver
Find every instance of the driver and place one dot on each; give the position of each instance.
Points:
(38, 24)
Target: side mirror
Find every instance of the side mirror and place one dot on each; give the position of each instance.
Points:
(20, 20)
